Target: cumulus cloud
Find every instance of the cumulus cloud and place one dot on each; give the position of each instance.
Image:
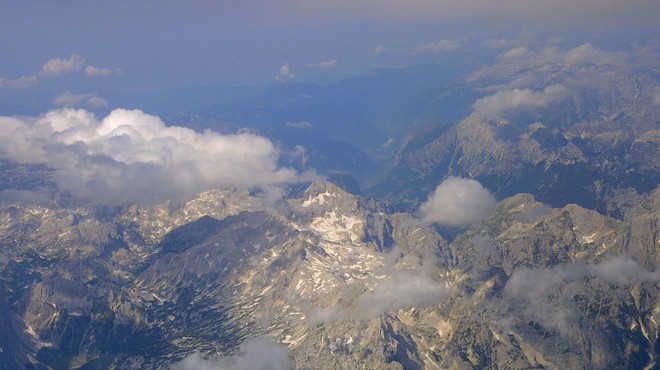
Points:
(437, 47)
(457, 201)
(68, 99)
(285, 73)
(56, 67)
(132, 157)
(96, 71)
(256, 354)
(547, 294)
(379, 50)
(324, 64)
(495, 105)
(19, 83)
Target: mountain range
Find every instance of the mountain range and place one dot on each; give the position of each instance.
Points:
(545, 256)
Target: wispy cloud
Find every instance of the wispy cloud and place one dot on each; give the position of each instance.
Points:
(379, 50)
(299, 124)
(324, 64)
(96, 71)
(397, 289)
(656, 96)
(457, 201)
(437, 47)
(499, 43)
(546, 295)
(70, 100)
(19, 83)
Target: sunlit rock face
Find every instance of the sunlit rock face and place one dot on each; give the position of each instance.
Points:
(329, 280)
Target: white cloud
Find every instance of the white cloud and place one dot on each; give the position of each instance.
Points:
(437, 47)
(285, 73)
(495, 105)
(96, 71)
(69, 100)
(457, 201)
(132, 157)
(324, 64)
(19, 83)
(57, 67)
(254, 354)
(514, 53)
(379, 50)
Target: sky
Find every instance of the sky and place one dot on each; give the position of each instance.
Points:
(151, 45)
(75, 54)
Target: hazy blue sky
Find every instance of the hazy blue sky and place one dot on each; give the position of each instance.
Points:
(145, 45)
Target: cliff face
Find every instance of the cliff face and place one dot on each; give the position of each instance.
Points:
(334, 281)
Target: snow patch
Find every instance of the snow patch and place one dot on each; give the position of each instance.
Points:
(319, 199)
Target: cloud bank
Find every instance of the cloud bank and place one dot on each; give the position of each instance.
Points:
(132, 157)
(255, 354)
(457, 201)
(493, 106)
